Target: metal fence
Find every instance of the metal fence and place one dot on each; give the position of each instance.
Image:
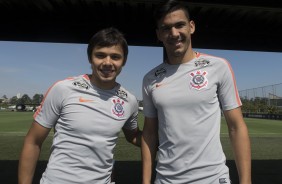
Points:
(271, 93)
(266, 99)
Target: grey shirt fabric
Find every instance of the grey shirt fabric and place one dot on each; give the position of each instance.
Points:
(187, 99)
(87, 122)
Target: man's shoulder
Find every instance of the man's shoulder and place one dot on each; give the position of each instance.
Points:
(212, 58)
(212, 61)
(75, 81)
(156, 71)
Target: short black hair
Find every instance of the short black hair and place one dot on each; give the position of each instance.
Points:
(105, 38)
(167, 7)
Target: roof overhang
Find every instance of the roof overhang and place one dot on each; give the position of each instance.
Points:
(230, 25)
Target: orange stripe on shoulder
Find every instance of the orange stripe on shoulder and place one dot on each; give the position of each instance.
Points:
(40, 107)
(234, 83)
(86, 77)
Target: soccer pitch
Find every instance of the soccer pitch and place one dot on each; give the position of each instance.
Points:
(266, 138)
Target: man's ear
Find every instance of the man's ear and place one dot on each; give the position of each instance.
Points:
(192, 26)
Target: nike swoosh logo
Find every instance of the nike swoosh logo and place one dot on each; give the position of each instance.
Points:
(85, 100)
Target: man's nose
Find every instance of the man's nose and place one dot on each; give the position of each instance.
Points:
(107, 60)
(174, 32)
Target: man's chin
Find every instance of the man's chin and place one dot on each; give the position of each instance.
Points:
(108, 78)
(178, 53)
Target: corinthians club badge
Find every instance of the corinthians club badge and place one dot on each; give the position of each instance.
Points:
(117, 108)
(199, 80)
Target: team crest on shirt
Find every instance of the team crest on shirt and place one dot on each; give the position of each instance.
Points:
(198, 79)
(117, 107)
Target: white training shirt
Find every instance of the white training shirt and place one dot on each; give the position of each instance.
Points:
(187, 98)
(87, 121)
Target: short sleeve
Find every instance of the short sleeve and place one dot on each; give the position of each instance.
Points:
(50, 108)
(148, 105)
(132, 122)
(227, 90)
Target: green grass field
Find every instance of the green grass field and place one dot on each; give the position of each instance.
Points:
(266, 138)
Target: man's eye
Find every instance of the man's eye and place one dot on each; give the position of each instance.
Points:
(116, 57)
(100, 56)
(165, 28)
(178, 26)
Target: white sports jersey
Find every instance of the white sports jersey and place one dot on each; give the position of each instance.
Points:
(187, 98)
(87, 121)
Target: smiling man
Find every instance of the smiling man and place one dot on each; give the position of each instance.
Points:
(183, 99)
(87, 113)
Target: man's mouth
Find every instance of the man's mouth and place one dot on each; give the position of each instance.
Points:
(176, 43)
(106, 71)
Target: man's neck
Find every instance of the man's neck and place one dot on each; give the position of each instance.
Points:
(190, 55)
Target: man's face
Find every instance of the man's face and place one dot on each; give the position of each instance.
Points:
(106, 64)
(175, 30)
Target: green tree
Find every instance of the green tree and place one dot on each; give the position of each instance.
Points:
(248, 105)
(14, 100)
(37, 98)
(272, 110)
(25, 99)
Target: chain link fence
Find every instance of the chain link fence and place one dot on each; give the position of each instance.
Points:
(262, 101)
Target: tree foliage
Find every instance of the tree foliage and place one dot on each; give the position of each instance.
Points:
(37, 98)
(25, 99)
(259, 105)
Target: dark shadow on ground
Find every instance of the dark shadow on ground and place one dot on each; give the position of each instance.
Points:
(129, 172)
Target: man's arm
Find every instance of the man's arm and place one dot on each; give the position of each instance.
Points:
(30, 152)
(149, 144)
(238, 133)
(133, 136)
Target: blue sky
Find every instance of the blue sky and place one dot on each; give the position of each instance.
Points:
(30, 67)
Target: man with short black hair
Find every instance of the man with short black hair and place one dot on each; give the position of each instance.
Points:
(183, 99)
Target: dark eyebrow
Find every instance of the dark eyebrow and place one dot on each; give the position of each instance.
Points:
(172, 25)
